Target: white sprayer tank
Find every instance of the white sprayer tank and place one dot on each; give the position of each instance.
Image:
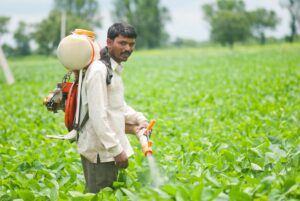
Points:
(78, 50)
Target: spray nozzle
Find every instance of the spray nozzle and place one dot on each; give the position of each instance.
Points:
(145, 141)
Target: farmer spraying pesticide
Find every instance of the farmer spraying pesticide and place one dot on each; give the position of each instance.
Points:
(101, 112)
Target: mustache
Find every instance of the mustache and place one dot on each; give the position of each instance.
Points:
(127, 53)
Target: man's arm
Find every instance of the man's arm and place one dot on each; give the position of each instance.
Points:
(134, 121)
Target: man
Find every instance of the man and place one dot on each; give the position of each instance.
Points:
(102, 142)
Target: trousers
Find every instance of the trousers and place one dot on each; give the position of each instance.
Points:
(98, 175)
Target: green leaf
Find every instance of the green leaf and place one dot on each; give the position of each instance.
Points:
(197, 192)
(236, 194)
(34, 185)
(131, 195)
(257, 152)
(170, 189)
(122, 176)
(119, 195)
(292, 188)
(256, 167)
(212, 180)
(24, 166)
(182, 194)
(81, 196)
(26, 195)
(228, 154)
(118, 184)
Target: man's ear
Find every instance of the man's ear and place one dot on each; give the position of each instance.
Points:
(109, 42)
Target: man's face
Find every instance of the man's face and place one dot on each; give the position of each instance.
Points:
(120, 48)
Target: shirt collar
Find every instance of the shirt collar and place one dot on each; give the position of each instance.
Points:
(115, 66)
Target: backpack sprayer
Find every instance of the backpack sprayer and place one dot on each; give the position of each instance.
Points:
(75, 52)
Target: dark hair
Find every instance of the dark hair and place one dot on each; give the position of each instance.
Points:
(122, 29)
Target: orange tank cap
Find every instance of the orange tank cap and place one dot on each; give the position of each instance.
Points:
(85, 32)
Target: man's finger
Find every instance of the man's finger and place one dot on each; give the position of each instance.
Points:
(122, 164)
(125, 164)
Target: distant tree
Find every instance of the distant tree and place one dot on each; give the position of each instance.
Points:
(8, 49)
(262, 20)
(297, 12)
(228, 20)
(231, 5)
(47, 34)
(184, 42)
(148, 17)
(80, 14)
(3, 24)
(293, 7)
(22, 38)
(229, 27)
(3, 30)
(86, 9)
(210, 10)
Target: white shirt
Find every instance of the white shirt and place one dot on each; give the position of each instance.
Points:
(104, 132)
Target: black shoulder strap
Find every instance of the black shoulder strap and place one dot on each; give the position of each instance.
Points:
(105, 58)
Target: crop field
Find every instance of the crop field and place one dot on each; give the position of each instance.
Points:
(227, 128)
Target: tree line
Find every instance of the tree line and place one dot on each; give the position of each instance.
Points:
(229, 20)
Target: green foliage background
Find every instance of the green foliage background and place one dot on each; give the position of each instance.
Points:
(227, 128)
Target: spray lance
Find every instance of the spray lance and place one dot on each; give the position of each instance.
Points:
(144, 138)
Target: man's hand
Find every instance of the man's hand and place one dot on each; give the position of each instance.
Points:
(141, 126)
(130, 128)
(121, 160)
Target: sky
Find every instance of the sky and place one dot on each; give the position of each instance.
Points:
(186, 16)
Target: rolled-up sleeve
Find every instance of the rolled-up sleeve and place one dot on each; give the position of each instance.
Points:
(97, 99)
(132, 116)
